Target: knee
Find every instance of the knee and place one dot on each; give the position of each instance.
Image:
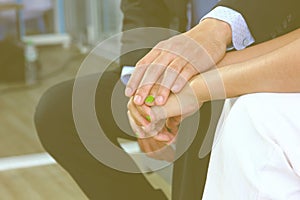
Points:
(247, 123)
(261, 110)
(241, 121)
(52, 111)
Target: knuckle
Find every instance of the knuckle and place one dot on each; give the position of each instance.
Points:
(180, 82)
(163, 91)
(154, 89)
(147, 83)
(144, 89)
(142, 63)
(169, 56)
(174, 67)
(191, 68)
(155, 69)
(188, 74)
(140, 109)
(160, 44)
(178, 64)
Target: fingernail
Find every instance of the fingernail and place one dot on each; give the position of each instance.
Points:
(148, 118)
(149, 99)
(137, 99)
(175, 88)
(159, 99)
(128, 91)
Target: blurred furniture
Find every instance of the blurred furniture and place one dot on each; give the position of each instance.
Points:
(35, 10)
(15, 7)
(59, 36)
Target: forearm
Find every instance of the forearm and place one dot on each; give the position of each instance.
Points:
(277, 71)
(259, 49)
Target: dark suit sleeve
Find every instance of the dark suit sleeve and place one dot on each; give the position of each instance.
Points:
(138, 14)
(267, 19)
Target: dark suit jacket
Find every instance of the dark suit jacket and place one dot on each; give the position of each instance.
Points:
(266, 19)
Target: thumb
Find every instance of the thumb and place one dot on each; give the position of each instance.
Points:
(184, 103)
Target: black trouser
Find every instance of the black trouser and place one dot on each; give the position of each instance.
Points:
(56, 130)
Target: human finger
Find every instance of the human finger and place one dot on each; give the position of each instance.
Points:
(139, 71)
(144, 145)
(161, 151)
(145, 112)
(185, 75)
(164, 136)
(151, 76)
(171, 130)
(173, 123)
(136, 115)
(184, 103)
(138, 131)
(169, 77)
(150, 99)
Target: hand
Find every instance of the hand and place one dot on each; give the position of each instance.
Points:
(158, 147)
(178, 59)
(152, 136)
(149, 118)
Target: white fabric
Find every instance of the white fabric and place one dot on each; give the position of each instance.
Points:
(126, 74)
(256, 152)
(241, 35)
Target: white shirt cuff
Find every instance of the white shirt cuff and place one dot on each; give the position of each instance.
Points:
(241, 35)
(126, 74)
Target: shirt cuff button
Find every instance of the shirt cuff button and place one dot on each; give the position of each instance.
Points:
(246, 42)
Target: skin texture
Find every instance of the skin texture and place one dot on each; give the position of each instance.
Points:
(175, 61)
(272, 66)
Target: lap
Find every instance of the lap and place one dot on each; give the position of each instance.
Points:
(255, 152)
(57, 132)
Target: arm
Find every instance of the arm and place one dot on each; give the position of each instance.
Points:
(186, 54)
(261, 68)
(277, 71)
(267, 19)
(259, 49)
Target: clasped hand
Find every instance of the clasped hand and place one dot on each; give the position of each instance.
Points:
(164, 73)
(157, 126)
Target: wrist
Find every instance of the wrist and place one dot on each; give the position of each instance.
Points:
(214, 35)
(209, 86)
(220, 30)
(200, 89)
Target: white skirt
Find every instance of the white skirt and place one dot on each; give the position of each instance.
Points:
(256, 151)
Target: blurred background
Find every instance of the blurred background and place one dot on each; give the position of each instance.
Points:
(42, 43)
